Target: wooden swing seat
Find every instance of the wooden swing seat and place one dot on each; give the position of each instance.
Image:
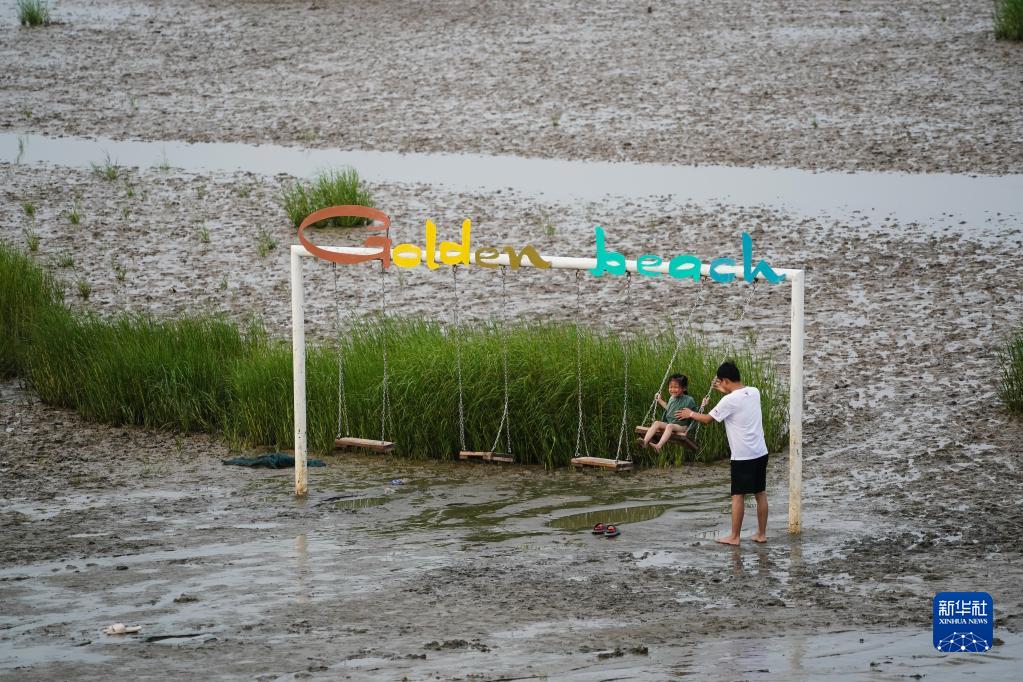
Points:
(683, 440)
(364, 444)
(601, 462)
(486, 456)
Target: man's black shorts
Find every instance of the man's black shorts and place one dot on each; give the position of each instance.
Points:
(749, 476)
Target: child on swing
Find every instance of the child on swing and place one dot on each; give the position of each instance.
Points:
(678, 385)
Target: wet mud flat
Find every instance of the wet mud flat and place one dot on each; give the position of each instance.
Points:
(911, 467)
(394, 569)
(867, 85)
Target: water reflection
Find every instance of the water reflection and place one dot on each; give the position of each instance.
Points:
(618, 516)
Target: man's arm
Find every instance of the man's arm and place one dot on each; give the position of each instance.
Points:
(686, 413)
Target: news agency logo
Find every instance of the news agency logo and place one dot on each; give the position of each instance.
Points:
(963, 621)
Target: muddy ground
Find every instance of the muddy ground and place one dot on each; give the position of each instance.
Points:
(912, 468)
(918, 86)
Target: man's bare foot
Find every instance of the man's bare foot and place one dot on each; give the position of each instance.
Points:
(757, 537)
(728, 540)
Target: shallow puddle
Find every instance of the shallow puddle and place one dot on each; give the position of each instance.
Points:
(935, 199)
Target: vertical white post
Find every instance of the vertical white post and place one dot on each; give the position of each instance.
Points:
(298, 368)
(796, 407)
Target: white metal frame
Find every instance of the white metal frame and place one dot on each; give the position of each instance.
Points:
(795, 278)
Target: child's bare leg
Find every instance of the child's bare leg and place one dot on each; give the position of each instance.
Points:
(651, 432)
(761, 535)
(669, 430)
(737, 514)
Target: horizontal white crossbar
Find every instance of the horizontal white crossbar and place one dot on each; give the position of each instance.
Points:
(557, 262)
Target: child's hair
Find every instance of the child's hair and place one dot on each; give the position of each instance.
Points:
(729, 371)
(681, 379)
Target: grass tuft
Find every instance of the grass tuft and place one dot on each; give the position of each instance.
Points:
(1009, 19)
(84, 289)
(1010, 388)
(264, 242)
(329, 188)
(32, 241)
(33, 12)
(29, 208)
(74, 215)
(108, 170)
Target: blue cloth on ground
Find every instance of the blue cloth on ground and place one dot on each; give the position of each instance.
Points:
(274, 460)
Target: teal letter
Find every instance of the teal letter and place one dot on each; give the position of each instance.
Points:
(724, 277)
(607, 261)
(684, 266)
(762, 267)
(648, 259)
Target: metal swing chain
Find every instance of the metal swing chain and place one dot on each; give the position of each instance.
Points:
(742, 314)
(625, 389)
(580, 438)
(385, 406)
(506, 415)
(679, 340)
(458, 357)
(342, 401)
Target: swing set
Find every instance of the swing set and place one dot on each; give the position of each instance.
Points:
(621, 461)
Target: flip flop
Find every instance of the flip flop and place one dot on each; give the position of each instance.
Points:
(599, 529)
(612, 531)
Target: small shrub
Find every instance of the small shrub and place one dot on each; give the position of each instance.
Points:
(84, 290)
(33, 12)
(29, 208)
(265, 243)
(204, 234)
(65, 260)
(1011, 360)
(1009, 19)
(330, 188)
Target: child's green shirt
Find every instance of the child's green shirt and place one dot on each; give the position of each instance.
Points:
(674, 405)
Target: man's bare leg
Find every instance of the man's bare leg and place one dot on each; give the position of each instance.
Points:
(737, 513)
(761, 535)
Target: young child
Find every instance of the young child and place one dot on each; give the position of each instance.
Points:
(678, 385)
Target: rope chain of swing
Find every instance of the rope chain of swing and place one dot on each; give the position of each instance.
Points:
(342, 401)
(679, 341)
(505, 424)
(751, 291)
(385, 405)
(580, 437)
(458, 356)
(625, 388)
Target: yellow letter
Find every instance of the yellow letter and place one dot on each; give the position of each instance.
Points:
(529, 252)
(431, 244)
(463, 249)
(485, 255)
(407, 251)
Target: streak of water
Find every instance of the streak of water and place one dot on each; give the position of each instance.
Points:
(935, 199)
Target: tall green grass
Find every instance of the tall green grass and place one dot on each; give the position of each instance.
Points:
(542, 387)
(1010, 388)
(329, 188)
(33, 12)
(1009, 19)
(207, 374)
(26, 291)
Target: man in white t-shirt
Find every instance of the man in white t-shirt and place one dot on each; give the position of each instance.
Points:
(744, 427)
